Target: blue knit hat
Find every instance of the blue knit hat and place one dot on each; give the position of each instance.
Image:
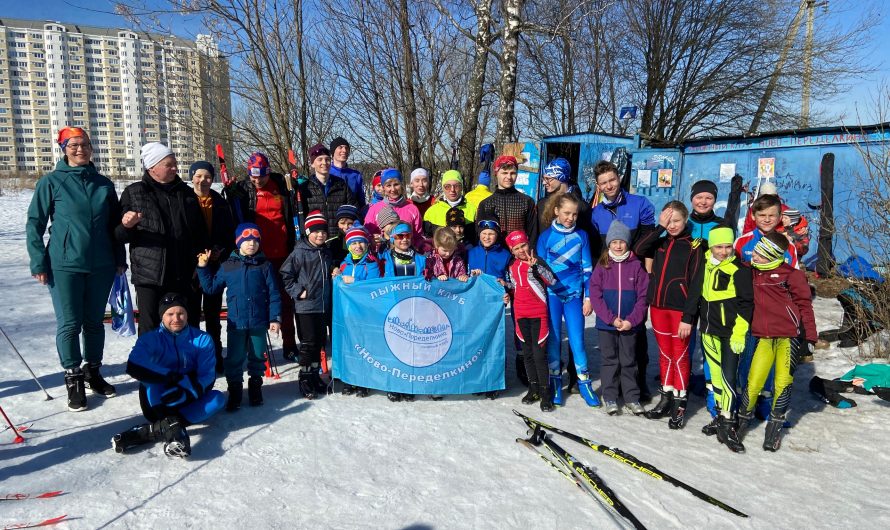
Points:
(348, 211)
(202, 164)
(618, 231)
(247, 232)
(559, 169)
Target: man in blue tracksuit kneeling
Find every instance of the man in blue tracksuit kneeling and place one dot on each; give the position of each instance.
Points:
(176, 368)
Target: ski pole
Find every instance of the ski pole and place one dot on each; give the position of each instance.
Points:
(18, 437)
(5, 336)
(273, 367)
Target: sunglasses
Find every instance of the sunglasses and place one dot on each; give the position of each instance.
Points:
(401, 236)
(250, 232)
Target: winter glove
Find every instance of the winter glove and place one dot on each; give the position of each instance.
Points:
(486, 153)
(737, 339)
(185, 391)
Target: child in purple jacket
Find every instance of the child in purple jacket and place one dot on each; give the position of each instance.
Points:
(618, 295)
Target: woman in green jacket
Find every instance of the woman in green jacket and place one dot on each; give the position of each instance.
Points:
(79, 263)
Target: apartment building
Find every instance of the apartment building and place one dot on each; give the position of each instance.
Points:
(124, 87)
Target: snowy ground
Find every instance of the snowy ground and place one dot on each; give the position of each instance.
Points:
(344, 462)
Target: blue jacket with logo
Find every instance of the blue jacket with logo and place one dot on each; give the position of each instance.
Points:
(252, 294)
(160, 357)
(492, 260)
(632, 210)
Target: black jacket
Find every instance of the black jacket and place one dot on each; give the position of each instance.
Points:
(308, 269)
(677, 261)
(513, 210)
(314, 198)
(165, 243)
(241, 196)
(222, 228)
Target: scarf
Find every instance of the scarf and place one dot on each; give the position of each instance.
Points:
(399, 202)
(420, 198)
(562, 229)
(454, 204)
(618, 258)
(406, 257)
(612, 204)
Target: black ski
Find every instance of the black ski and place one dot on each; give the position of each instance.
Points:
(587, 477)
(631, 461)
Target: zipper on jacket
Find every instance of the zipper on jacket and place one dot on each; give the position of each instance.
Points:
(667, 255)
(619, 288)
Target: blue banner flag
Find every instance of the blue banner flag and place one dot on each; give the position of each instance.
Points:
(412, 336)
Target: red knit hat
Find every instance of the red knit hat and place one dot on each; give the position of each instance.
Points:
(315, 221)
(258, 165)
(505, 160)
(516, 237)
(376, 180)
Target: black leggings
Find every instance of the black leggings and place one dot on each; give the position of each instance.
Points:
(313, 331)
(534, 354)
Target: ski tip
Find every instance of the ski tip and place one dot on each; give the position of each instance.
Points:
(49, 494)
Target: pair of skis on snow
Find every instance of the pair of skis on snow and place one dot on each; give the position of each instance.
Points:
(28, 496)
(588, 480)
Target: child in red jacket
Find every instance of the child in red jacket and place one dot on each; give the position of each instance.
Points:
(782, 308)
(527, 280)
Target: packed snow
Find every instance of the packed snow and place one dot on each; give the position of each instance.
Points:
(347, 462)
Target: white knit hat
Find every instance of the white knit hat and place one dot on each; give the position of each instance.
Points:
(419, 172)
(152, 153)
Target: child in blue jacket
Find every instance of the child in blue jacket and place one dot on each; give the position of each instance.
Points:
(254, 306)
(618, 295)
(488, 256)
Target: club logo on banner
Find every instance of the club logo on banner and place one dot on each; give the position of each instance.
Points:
(412, 336)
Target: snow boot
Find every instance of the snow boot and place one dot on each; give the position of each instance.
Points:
(77, 394)
(135, 436)
(533, 395)
(728, 434)
(394, 396)
(635, 408)
(558, 399)
(712, 428)
(348, 389)
(678, 413)
(95, 382)
(178, 443)
(255, 391)
(236, 390)
(743, 422)
(611, 408)
(773, 438)
(546, 402)
(307, 383)
(585, 388)
(663, 407)
(361, 391)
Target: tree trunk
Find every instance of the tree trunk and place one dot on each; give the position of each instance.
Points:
(475, 91)
(507, 89)
(411, 132)
(301, 78)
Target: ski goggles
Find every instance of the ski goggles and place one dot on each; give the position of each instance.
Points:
(401, 236)
(489, 224)
(249, 232)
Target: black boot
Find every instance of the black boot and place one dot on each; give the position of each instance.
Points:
(361, 391)
(534, 393)
(77, 394)
(306, 382)
(236, 390)
(678, 413)
(728, 434)
(546, 402)
(255, 391)
(176, 438)
(394, 396)
(95, 382)
(743, 421)
(663, 407)
(773, 439)
(348, 389)
(712, 428)
(138, 435)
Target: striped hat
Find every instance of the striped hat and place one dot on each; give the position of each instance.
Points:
(356, 233)
(386, 216)
(315, 221)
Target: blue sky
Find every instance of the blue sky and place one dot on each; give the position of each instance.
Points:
(853, 107)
